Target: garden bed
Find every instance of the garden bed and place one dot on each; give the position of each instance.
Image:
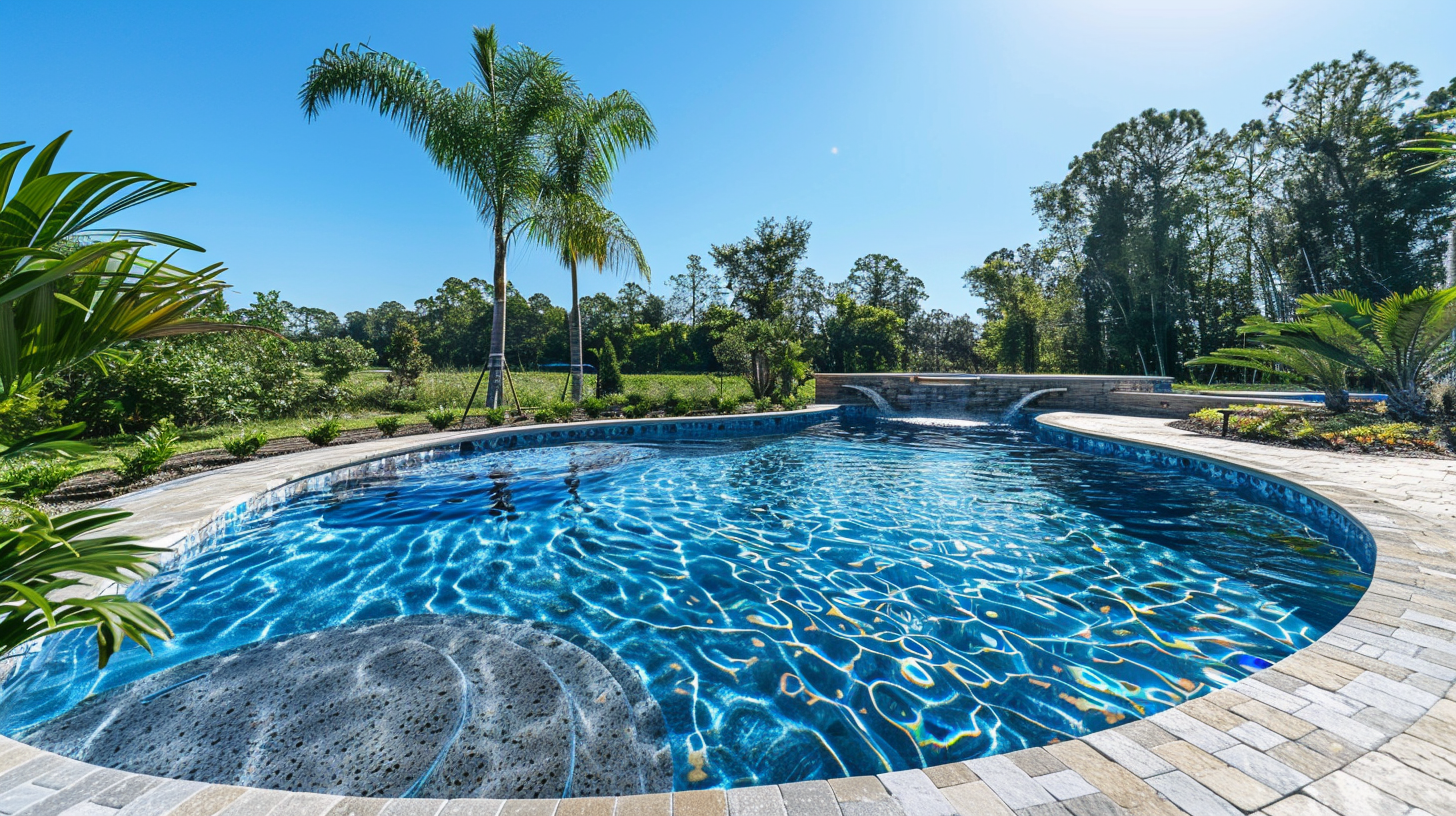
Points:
(1364, 430)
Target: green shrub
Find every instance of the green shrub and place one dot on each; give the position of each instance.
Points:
(726, 404)
(676, 405)
(155, 447)
(637, 398)
(494, 416)
(32, 477)
(324, 432)
(1443, 399)
(387, 425)
(28, 412)
(636, 411)
(593, 406)
(335, 358)
(763, 404)
(555, 412)
(200, 380)
(406, 359)
(794, 402)
(245, 444)
(609, 371)
(441, 417)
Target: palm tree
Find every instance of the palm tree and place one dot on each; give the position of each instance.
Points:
(486, 135)
(586, 141)
(1442, 143)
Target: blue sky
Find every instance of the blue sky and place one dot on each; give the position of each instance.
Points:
(915, 129)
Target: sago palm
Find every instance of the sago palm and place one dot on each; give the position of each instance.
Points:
(1403, 342)
(587, 139)
(486, 135)
(1325, 374)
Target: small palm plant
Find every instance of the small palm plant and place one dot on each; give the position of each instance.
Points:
(154, 448)
(1403, 342)
(324, 433)
(245, 444)
(388, 425)
(1330, 376)
(441, 417)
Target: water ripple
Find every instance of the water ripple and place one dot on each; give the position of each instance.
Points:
(854, 599)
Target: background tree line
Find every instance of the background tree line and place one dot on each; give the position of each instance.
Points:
(872, 320)
(1164, 236)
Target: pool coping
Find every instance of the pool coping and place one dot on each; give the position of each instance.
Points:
(1316, 727)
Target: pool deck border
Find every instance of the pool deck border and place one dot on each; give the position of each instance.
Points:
(1362, 722)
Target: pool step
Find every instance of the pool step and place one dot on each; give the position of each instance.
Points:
(427, 706)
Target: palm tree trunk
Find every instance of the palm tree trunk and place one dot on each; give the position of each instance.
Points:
(573, 330)
(495, 392)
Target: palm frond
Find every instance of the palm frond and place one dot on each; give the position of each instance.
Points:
(113, 299)
(39, 557)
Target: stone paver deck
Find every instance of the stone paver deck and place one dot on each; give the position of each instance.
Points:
(1362, 723)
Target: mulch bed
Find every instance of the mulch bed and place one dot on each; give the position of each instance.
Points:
(1318, 444)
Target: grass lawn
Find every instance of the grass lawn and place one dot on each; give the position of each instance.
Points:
(450, 389)
(534, 389)
(1195, 387)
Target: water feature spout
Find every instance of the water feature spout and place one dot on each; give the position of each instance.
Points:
(879, 401)
(1016, 407)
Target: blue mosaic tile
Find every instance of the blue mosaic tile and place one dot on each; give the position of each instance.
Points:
(1343, 530)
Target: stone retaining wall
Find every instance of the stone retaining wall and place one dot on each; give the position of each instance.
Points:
(1179, 406)
(986, 393)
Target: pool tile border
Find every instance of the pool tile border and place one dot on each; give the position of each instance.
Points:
(1362, 722)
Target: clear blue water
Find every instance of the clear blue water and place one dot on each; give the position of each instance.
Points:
(856, 598)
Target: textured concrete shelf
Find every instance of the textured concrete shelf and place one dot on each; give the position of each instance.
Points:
(1363, 722)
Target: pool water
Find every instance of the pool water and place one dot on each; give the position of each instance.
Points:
(860, 597)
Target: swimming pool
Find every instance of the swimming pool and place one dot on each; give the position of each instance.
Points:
(860, 597)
